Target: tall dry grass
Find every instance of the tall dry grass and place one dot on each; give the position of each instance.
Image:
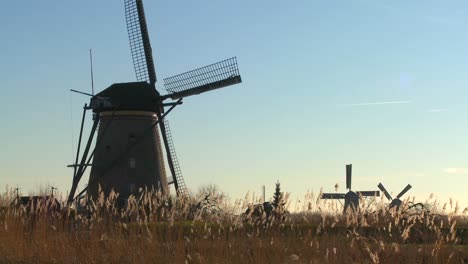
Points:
(153, 229)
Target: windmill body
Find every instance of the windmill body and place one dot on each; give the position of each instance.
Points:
(395, 203)
(351, 201)
(133, 136)
(351, 198)
(129, 153)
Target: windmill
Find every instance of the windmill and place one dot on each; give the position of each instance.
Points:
(351, 198)
(129, 119)
(394, 202)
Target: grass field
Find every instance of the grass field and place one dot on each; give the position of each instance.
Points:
(155, 230)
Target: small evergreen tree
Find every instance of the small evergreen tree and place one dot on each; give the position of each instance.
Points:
(278, 197)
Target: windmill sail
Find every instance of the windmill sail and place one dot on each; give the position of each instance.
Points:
(368, 193)
(139, 41)
(407, 188)
(178, 179)
(333, 196)
(349, 170)
(382, 188)
(210, 77)
(144, 68)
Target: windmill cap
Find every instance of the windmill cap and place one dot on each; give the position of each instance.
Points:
(126, 96)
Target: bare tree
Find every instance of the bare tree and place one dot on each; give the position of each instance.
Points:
(209, 199)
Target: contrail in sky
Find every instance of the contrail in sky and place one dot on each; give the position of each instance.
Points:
(437, 110)
(378, 103)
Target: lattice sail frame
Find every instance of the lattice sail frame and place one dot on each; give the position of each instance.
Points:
(213, 73)
(335, 196)
(139, 41)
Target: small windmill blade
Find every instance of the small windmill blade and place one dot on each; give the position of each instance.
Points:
(204, 79)
(139, 41)
(349, 169)
(407, 188)
(368, 193)
(382, 188)
(332, 196)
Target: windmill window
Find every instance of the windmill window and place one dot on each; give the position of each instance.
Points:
(132, 163)
(131, 138)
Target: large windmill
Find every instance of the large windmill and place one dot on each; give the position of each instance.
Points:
(351, 198)
(394, 202)
(129, 119)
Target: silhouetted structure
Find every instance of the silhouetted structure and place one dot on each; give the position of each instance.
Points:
(33, 203)
(351, 198)
(269, 209)
(258, 211)
(394, 202)
(129, 119)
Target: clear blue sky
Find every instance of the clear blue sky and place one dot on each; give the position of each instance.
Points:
(380, 84)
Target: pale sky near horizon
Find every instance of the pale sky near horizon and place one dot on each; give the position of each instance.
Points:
(379, 84)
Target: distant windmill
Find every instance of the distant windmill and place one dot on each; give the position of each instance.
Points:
(17, 191)
(52, 189)
(394, 202)
(129, 120)
(351, 198)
